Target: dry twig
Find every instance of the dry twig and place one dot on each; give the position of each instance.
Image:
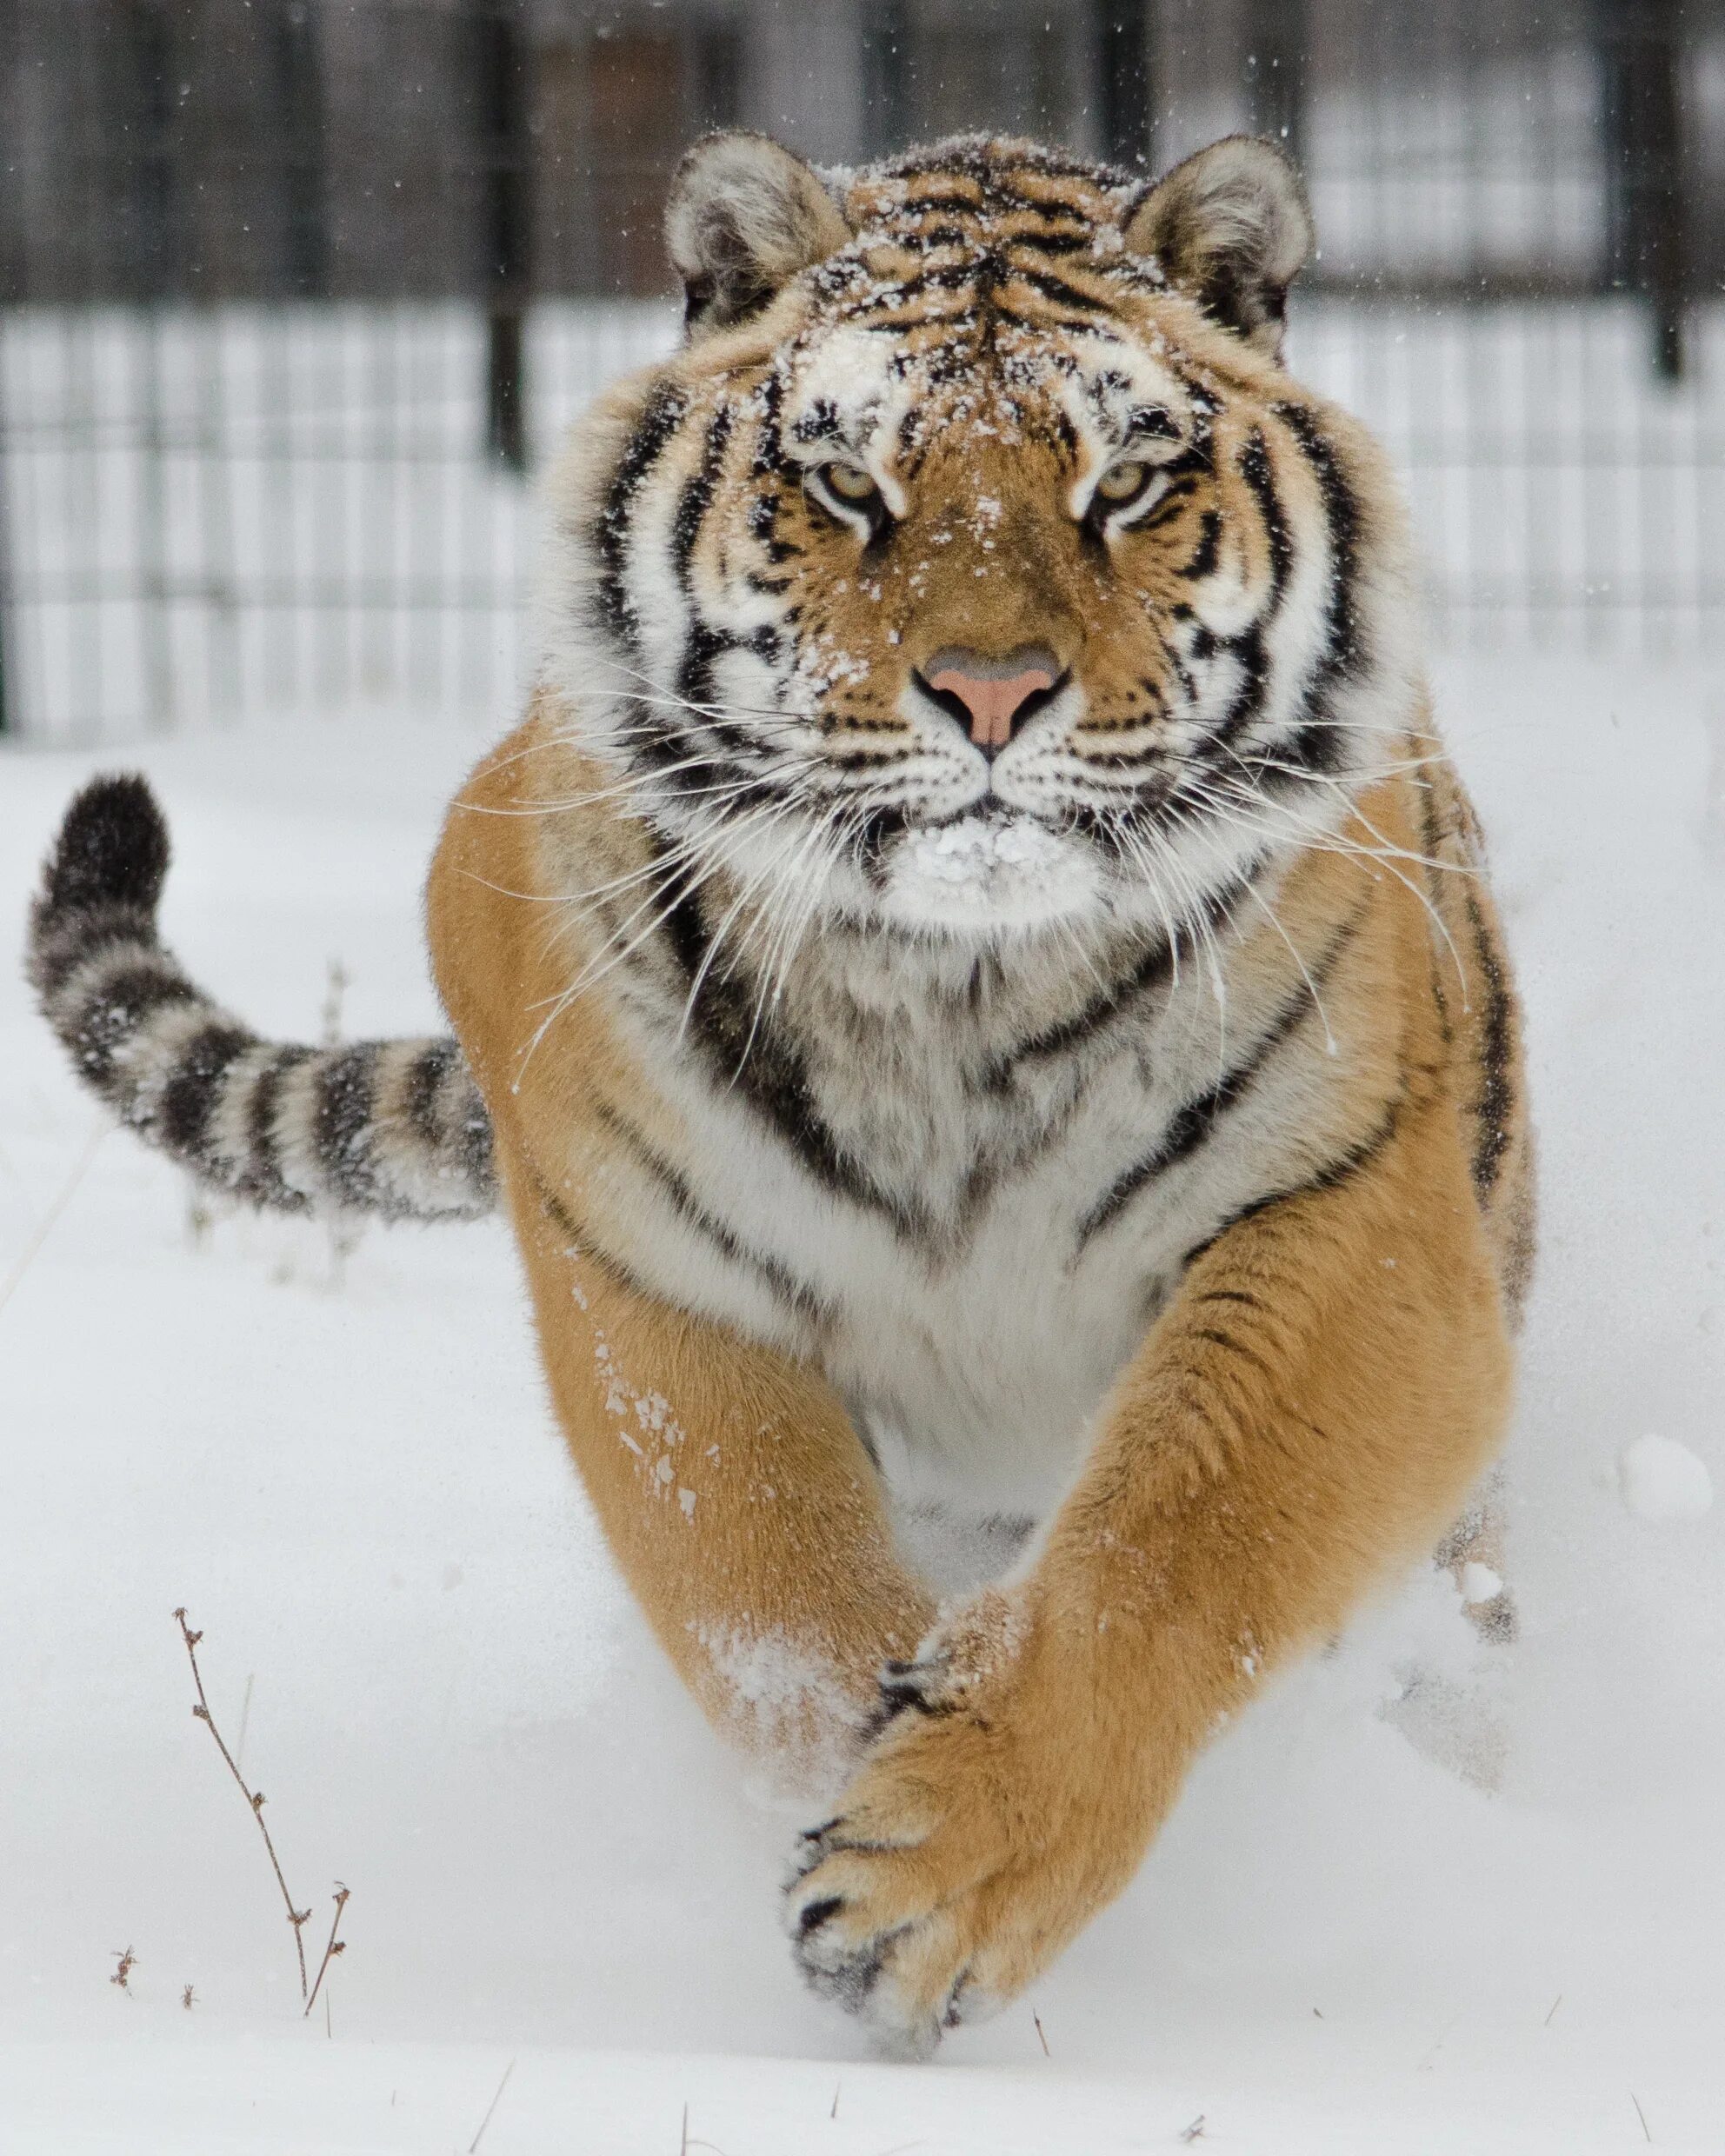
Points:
(1196, 2131)
(1647, 2132)
(1037, 2019)
(128, 1961)
(690, 2141)
(254, 1797)
(495, 2101)
(332, 1947)
(188, 1998)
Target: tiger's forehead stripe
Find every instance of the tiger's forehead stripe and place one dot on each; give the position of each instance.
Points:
(991, 266)
(991, 209)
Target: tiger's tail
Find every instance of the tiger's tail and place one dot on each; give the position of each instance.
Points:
(392, 1127)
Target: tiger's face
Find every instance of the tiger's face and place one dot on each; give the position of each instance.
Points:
(977, 568)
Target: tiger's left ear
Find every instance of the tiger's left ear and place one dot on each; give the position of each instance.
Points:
(744, 216)
(1232, 229)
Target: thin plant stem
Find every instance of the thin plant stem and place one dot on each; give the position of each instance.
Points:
(473, 2144)
(331, 1948)
(254, 1798)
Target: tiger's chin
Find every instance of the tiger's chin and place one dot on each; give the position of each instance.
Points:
(985, 874)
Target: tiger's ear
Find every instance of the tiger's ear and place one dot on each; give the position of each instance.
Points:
(1232, 229)
(744, 216)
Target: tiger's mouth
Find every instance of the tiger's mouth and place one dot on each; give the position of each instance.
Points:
(992, 867)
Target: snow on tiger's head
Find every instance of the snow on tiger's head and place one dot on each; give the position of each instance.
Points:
(975, 565)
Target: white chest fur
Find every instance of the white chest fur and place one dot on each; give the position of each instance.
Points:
(952, 1276)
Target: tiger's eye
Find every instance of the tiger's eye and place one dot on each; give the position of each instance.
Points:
(1121, 482)
(849, 483)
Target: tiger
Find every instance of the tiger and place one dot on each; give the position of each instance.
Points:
(975, 985)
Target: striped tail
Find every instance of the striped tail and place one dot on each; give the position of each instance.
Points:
(394, 1128)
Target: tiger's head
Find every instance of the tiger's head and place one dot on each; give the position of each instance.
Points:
(976, 566)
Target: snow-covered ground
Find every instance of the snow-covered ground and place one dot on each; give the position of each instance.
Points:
(346, 1471)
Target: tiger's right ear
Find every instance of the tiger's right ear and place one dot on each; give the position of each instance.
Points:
(1232, 230)
(744, 216)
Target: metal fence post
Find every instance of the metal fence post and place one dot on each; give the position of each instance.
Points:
(885, 76)
(1276, 32)
(298, 56)
(8, 722)
(1124, 76)
(1648, 231)
(503, 58)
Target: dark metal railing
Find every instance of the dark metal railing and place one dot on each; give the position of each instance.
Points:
(1503, 179)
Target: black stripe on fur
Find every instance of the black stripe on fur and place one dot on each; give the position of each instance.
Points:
(1496, 1106)
(1334, 1172)
(653, 432)
(112, 849)
(262, 1180)
(1316, 744)
(794, 1293)
(110, 1017)
(346, 1102)
(189, 1098)
(101, 974)
(1194, 1124)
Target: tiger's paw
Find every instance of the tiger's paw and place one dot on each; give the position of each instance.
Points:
(992, 1816)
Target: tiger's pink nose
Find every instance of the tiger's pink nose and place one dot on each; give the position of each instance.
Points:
(993, 691)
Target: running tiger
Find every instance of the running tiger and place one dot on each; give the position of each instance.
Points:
(974, 983)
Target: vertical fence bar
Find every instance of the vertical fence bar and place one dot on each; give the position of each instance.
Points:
(887, 111)
(1641, 46)
(154, 641)
(1121, 31)
(505, 102)
(1277, 39)
(298, 58)
(717, 67)
(10, 721)
(208, 333)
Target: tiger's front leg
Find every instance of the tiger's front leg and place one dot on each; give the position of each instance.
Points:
(738, 1500)
(1316, 1405)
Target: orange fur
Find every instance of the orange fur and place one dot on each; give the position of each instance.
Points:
(1202, 1281)
(1316, 1405)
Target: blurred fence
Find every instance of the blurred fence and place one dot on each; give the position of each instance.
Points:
(292, 292)
(242, 508)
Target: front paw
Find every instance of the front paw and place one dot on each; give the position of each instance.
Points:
(992, 1818)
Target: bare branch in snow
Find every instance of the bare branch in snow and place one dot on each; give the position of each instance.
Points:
(254, 1797)
(493, 2104)
(332, 1947)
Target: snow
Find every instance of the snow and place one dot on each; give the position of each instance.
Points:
(346, 1471)
(1663, 1480)
(974, 868)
